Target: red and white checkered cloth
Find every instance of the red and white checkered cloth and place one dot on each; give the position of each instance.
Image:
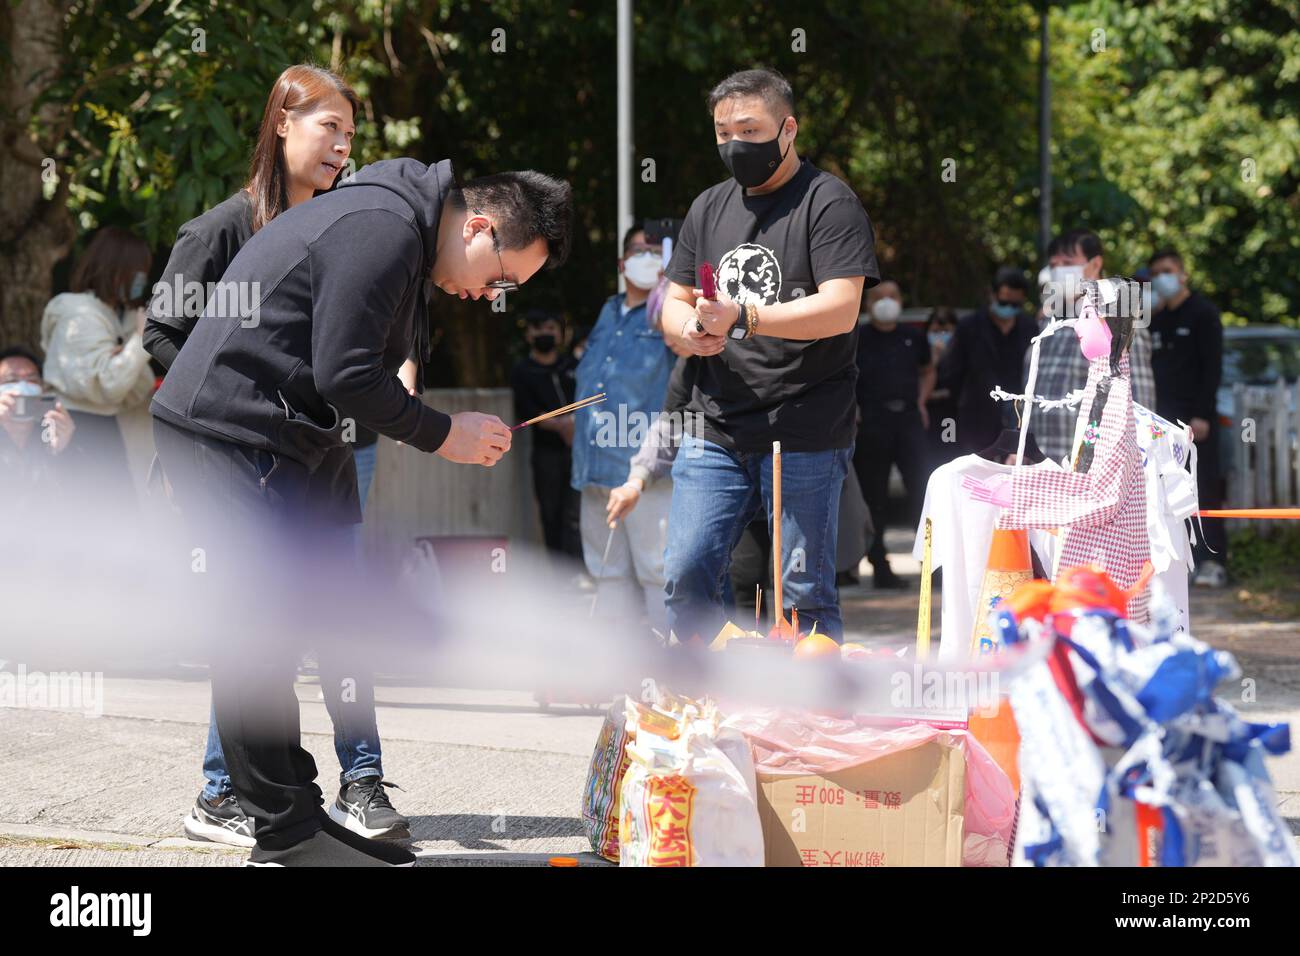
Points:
(1101, 512)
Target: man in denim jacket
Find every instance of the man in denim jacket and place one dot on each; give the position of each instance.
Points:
(626, 358)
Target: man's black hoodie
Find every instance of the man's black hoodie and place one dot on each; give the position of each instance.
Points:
(342, 301)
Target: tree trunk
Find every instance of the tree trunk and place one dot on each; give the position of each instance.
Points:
(35, 232)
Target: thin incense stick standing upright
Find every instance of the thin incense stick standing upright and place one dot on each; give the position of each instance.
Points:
(923, 609)
(778, 603)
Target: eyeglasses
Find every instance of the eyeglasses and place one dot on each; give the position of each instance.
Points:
(503, 284)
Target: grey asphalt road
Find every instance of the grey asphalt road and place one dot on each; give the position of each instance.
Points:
(488, 777)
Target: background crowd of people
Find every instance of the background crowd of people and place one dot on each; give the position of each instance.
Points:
(671, 519)
(923, 395)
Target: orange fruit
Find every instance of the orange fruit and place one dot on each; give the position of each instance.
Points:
(816, 646)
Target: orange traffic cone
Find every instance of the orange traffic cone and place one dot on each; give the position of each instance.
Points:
(998, 735)
(1008, 567)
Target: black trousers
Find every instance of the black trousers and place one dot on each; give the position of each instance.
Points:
(1209, 481)
(247, 515)
(557, 501)
(103, 475)
(886, 438)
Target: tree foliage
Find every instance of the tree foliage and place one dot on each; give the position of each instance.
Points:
(1177, 127)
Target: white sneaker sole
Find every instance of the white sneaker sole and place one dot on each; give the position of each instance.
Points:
(202, 832)
(400, 866)
(348, 821)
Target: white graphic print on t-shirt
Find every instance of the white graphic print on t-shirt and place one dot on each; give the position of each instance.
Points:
(750, 273)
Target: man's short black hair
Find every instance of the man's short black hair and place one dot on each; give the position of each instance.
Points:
(1012, 278)
(1084, 240)
(941, 315)
(527, 206)
(632, 231)
(23, 352)
(1168, 252)
(771, 86)
(538, 317)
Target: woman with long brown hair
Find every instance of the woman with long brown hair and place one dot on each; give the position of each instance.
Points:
(302, 148)
(303, 144)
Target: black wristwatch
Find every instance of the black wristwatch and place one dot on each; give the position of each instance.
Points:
(740, 329)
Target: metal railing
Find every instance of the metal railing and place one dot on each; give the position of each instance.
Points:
(1264, 463)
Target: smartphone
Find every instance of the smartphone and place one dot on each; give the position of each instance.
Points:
(28, 408)
(657, 230)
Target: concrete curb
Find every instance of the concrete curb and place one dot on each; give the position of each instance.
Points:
(100, 839)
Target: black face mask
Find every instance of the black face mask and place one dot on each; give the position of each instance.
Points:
(752, 164)
(544, 343)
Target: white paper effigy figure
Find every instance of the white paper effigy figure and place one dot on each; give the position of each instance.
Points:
(1099, 505)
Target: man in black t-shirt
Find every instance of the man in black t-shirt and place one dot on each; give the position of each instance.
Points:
(895, 379)
(1187, 359)
(793, 250)
(543, 380)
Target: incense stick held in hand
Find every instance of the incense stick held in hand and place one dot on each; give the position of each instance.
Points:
(593, 400)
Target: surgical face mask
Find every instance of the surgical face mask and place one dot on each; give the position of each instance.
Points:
(1005, 310)
(1062, 289)
(642, 270)
(886, 310)
(1166, 285)
(939, 339)
(1067, 274)
(752, 164)
(136, 292)
(21, 389)
(544, 343)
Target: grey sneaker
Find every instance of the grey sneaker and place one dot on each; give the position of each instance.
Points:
(222, 822)
(364, 808)
(1210, 574)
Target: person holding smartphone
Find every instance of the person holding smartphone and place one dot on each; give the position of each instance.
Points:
(35, 431)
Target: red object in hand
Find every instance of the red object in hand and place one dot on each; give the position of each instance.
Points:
(707, 286)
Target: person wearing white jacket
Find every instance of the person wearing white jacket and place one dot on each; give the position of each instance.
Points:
(94, 356)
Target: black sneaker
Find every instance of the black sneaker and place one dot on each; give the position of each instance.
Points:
(222, 822)
(322, 848)
(364, 808)
(885, 579)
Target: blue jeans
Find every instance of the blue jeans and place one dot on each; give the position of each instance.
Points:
(715, 494)
(349, 693)
(365, 461)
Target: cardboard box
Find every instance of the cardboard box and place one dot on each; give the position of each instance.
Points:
(904, 809)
